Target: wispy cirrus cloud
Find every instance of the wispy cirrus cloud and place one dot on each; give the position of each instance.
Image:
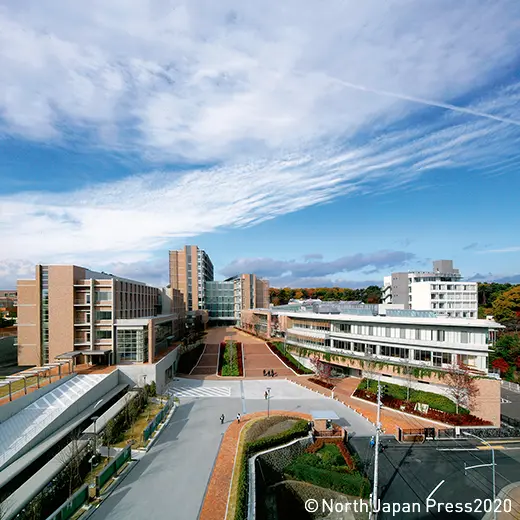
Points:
(513, 249)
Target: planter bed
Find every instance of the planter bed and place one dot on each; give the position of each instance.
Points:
(341, 446)
(435, 415)
(293, 364)
(316, 381)
(222, 361)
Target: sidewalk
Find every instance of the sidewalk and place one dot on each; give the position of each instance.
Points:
(215, 502)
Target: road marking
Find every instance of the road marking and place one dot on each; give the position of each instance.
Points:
(503, 400)
(435, 489)
(204, 391)
(487, 448)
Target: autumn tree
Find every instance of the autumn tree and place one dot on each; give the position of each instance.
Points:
(323, 370)
(506, 308)
(461, 386)
(501, 364)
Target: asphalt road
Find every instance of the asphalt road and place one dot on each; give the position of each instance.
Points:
(410, 473)
(170, 480)
(511, 408)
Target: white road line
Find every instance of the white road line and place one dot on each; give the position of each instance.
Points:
(435, 489)
(204, 350)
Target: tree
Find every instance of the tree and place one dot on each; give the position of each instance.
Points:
(501, 364)
(71, 457)
(323, 370)
(506, 308)
(111, 434)
(461, 386)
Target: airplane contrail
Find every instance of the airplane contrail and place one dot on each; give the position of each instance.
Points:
(428, 102)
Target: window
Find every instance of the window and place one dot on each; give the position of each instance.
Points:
(464, 337)
(402, 333)
(87, 317)
(397, 352)
(388, 332)
(418, 334)
(422, 355)
(87, 337)
(440, 335)
(370, 330)
(103, 296)
(103, 334)
(103, 315)
(87, 298)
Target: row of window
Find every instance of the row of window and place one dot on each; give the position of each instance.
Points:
(452, 287)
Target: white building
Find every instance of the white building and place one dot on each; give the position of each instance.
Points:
(441, 290)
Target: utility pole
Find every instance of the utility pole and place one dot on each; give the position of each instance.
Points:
(373, 513)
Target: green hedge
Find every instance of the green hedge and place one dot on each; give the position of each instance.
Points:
(435, 401)
(349, 483)
(300, 429)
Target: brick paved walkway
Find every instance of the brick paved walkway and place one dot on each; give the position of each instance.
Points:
(217, 493)
(390, 419)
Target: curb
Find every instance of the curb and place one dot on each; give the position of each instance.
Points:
(339, 401)
(159, 430)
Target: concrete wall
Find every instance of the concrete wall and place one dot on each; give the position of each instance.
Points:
(135, 374)
(29, 341)
(9, 409)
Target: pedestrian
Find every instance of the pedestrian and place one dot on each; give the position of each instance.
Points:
(265, 394)
(238, 417)
(222, 419)
(264, 372)
(372, 442)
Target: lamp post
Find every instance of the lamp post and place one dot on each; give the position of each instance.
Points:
(484, 465)
(268, 399)
(94, 419)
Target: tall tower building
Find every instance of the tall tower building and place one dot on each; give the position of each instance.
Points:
(190, 269)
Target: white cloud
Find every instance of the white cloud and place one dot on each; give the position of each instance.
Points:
(263, 90)
(193, 80)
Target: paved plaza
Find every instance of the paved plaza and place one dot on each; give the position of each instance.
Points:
(170, 481)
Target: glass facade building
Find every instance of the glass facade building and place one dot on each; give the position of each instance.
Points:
(220, 300)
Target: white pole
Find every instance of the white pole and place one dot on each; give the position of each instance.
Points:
(373, 514)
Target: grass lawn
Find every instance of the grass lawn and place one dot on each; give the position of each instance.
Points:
(285, 352)
(267, 426)
(135, 433)
(19, 385)
(435, 401)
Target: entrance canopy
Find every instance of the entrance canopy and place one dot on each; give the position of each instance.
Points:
(323, 415)
(76, 353)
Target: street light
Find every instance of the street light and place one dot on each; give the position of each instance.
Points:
(94, 419)
(483, 465)
(268, 399)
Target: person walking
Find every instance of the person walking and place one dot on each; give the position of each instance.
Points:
(266, 395)
(238, 417)
(222, 419)
(372, 442)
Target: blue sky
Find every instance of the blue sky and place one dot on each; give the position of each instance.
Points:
(372, 137)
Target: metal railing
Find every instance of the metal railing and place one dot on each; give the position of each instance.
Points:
(513, 387)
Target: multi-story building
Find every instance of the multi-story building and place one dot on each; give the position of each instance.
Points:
(8, 302)
(190, 269)
(226, 300)
(393, 340)
(440, 290)
(70, 311)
